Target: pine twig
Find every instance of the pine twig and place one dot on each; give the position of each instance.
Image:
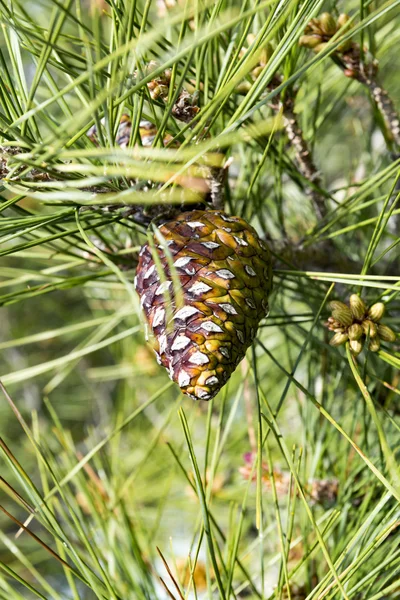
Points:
(284, 105)
(304, 157)
(367, 75)
(348, 57)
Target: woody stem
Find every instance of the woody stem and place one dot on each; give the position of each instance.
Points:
(304, 158)
(386, 107)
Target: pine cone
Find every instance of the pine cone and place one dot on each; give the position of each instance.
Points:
(225, 275)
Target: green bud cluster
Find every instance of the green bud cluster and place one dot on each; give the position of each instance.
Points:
(319, 31)
(357, 323)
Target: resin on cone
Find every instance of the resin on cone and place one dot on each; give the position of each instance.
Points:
(225, 274)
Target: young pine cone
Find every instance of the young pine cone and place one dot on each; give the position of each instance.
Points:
(224, 270)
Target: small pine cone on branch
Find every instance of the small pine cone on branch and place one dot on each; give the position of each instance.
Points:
(224, 271)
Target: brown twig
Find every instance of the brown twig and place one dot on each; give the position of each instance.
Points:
(304, 157)
(284, 105)
(367, 74)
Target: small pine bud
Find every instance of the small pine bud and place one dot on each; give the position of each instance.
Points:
(343, 19)
(356, 346)
(313, 25)
(337, 304)
(386, 334)
(355, 331)
(320, 47)
(343, 315)
(369, 326)
(357, 307)
(374, 344)
(339, 339)
(266, 54)
(327, 23)
(256, 71)
(345, 47)
(376, 311)
(309, 41)
(333, 324)
(159, 91)
(243, 87)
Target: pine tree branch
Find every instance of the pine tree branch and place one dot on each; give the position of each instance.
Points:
(304, 158)
(367, 74)
(303, 154)
(286, 252)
